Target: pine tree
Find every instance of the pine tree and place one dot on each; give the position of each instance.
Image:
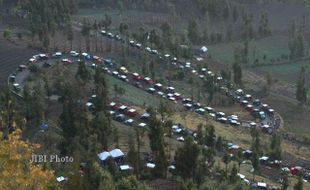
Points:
(210, 136)
(186, 159)
(82, 73)
(275, 147)
(157, 144)
(200, 136)
(233, 174)
(226, 159)
(301, 91)
(192, 32)
(300, 184)
(102, 127)
(237, 70)
(255, 163)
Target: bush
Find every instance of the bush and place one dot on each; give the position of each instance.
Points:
(33, 68)
(7, 33)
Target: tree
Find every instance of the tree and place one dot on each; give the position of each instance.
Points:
(132, 156)
(300, 184)
(237, 74)
(233, 174)
(7, 33)
(164, 110)
(192, 32)
(102, 127)
(269, 82)
(106, 181)
(239, 157)
(70, 35)
(219, 144)
(17, 171)
(130, 183)
(255, 163)
(263, 28)
(186, 159)
(285, 183)
(86, 34)
(275, 147)
(82, 73)
(226, 159)
(210, 136)
(301, 91)
(157, 144)
(200, 136)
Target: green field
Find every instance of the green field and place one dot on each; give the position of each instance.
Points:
(132, 94)
(273, 47)
(291, 68)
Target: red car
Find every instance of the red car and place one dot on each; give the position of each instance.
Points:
(148, 80)
(136, 76)
(97, 59)
(114, 106)
(131, 113)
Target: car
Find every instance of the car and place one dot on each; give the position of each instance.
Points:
(262, 115)
(148, 80)
(209, 109)
(123, 78)
(120, 118)
(145, 116)
(22, 67)
(244, 102)
(142, 125)
(151, 90)
(256, 102)
(97, 59)
(56, 55)
(123, 70)
(129, 122)
(200, 111)
(122, 109)
(43, 56)
(158, 86)
(108, 62)
(74, 54)
(248, 97)
(170, 89)
(115, 73)
(138, 85)
(177, 96)
(138, 45)
(12, 78)
(66, 61)
(90, 106)
(103, 32)
(17, 87)
(136, 76)
(113, 106)
(239, 92)
(176, 129)
(131, 112)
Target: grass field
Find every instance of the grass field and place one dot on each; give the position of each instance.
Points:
(273, 47)
(132, 94)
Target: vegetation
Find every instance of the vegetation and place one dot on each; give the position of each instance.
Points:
(201, 163)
